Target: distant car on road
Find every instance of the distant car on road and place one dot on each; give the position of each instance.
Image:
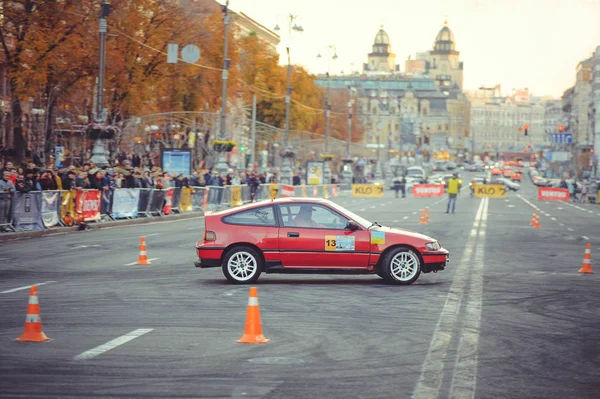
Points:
(510, 184)
(297, 235)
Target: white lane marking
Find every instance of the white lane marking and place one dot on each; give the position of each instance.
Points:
(553, 218)
(123, 339)
(570, 229)
(405, 217)
(363, 209)
(464, 378)
(432, 373)
(383, 205)
(133, 263)
(559, 208)
(191, 228)
(585, 238)
(511, 206)
(25, 287)
(152, 234)
(86, 246)
(591, 211)
(396, 221)
(373, 207)
(562, 224)
(414, 213)
(548, 215)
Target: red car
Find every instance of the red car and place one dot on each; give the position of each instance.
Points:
(302, 235)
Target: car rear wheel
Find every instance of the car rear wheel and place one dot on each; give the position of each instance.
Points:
(242, 265)
(401, 266)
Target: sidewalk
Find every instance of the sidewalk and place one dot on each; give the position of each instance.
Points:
(5, 237)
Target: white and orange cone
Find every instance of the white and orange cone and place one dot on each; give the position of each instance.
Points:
(33, 321)
(586, 264)
(143, 258)
(253, 329)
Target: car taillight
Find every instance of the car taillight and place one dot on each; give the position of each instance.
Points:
(210, 236)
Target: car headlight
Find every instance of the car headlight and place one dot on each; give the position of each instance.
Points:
(432, 246)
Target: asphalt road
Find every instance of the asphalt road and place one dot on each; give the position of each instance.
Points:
(510, 317)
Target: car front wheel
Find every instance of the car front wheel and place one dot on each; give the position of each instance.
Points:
(242, 265)
(401, 266)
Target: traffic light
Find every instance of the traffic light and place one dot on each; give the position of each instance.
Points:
(526, 128)
(242, 148)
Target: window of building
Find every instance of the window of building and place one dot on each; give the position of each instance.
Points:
(263, 216)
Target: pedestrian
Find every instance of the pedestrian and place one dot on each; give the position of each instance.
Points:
(6, 185)
(397, 187)
(453, 189)
(403, 186)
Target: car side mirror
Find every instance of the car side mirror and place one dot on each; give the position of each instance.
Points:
(351, 226)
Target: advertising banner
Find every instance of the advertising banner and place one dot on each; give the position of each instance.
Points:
(236, 196)
(273, 189)
(168, 201)
(125, 203)
(185, 201)
(367, 190)
(27, 211)
(88, 204)
(287, 191)
(176, 161)
(50, 208)
(67, 207)
(489, 190)
(428, 190)
(553, 194)
(314, 172)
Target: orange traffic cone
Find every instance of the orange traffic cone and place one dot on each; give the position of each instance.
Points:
(33, 322)
(253, 329)
(532, 223)
(427, 215)
(422, 219)
(536, 220)
(586, 265)
(143, 258)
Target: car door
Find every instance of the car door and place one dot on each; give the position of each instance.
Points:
(323, 243)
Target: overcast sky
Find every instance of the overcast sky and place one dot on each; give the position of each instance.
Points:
(518, 43)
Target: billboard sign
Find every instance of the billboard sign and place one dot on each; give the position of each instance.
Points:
(176, 161)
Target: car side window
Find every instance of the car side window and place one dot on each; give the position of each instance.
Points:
(312, 216)
(263, 216)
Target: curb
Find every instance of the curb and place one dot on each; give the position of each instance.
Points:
(4, 237)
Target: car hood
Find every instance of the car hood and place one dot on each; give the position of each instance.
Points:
(404, 232)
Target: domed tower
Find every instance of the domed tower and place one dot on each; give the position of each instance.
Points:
(381, 59)
(444, 64)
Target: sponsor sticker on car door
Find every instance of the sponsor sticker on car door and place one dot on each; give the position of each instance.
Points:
(339, 243)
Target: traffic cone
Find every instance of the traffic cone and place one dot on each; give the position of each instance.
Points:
(532, 223)
(33, 322)
(422, 219)
(427, 215)
(253, 329)
(536, 220)
(143, 258)
(586, 265)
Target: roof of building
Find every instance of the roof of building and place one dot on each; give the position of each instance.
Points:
(444, 41)
(382, 37)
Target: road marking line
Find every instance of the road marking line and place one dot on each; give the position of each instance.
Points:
(562, 224)
(591, 211)
(585, 238)
(432, 372)
(152, 234)
(405, 217)
(570, 229)
(362, 210)
(553, 218)
(396, 221)
(25, 287)
(464, 378)
(559, 208)
(133, 263)
(112, 344)
(373, 207)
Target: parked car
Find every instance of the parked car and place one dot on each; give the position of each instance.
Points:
(298, 235)
(509, 184)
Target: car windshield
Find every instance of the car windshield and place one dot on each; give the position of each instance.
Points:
(360, 220)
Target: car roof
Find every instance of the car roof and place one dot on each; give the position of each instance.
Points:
(287, 200)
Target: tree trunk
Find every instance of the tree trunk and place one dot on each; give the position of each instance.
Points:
(49, 142)
(17, 122)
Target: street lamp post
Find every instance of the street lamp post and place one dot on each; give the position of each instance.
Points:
(347, 174)
(222, 166)
(99, 151)
(286, 172)
(327, 166)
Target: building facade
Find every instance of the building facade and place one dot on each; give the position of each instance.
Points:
(403, 113)
(497, 123)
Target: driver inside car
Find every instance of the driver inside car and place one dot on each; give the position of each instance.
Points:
(304, 217)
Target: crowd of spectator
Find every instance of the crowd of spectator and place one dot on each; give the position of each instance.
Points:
(127, 173)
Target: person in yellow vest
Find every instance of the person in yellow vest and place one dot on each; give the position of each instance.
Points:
(453, 189)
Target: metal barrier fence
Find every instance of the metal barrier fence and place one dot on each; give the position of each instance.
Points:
(39, 210)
